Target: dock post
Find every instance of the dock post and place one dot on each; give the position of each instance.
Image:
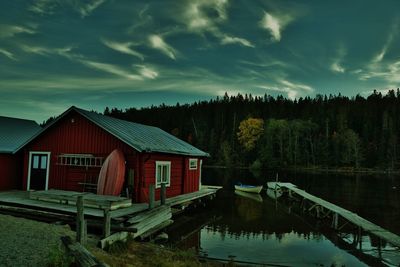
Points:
(107, 223)
(335, 221)
(163, 193)
(151, 196)
(80, 221)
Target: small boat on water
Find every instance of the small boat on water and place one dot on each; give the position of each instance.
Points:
(249, 188)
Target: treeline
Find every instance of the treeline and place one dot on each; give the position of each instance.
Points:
(325, 131)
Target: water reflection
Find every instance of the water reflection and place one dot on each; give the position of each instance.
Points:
(261, 230)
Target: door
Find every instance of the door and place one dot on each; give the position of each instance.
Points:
(39, 171)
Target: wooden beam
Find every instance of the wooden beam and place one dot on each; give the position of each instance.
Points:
(118, 236)
(156, 229)
(83, 257)
(147, 214)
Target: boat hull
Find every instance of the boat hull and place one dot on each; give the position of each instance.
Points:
(112, 174)
(249, 189)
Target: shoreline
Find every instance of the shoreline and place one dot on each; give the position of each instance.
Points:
(340, 170)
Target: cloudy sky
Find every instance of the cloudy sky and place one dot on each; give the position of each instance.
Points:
(135, 53)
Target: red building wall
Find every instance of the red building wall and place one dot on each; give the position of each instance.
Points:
(193, 176)
(10, 171)
(182, 180)
(74, 134)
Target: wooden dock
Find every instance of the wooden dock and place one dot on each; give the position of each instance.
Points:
(117, 216)
(325, 209)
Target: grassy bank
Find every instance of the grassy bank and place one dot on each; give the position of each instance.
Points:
(132, 253)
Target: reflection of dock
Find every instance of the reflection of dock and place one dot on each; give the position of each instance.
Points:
(325, 209)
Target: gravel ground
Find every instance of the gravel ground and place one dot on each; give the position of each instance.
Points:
(29, 243)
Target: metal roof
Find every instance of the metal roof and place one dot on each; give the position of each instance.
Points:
(15, 132)
(142, 138)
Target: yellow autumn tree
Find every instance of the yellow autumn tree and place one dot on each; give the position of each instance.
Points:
(250, 130)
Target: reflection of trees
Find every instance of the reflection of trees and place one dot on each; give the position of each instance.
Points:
(248, 218)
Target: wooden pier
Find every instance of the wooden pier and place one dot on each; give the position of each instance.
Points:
(325, 209)
(118, 217)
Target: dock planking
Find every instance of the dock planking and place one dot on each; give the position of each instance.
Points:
(33, 200)
(91, 200)
(348, 215)
(137, 219)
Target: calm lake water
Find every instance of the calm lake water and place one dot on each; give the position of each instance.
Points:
(258, 230)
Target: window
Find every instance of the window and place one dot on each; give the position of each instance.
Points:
(192, 164)
(163, 173)
(43, 162)
(35, 162)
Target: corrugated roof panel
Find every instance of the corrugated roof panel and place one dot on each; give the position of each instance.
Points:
(15, 132)
(142, 137)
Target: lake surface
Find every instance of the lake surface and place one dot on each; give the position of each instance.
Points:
(258, 230)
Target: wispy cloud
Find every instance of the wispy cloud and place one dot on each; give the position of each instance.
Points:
(381, 68)
(11, 30)
(157, 42)
(336, 65)
(147, 72)
(109, 68)
(275, 24)
(393, 32)
(66, 52)
(7, 54)
(125, 48)
(205, 16)
(293, 90)
(46, 51)
(87, 9)
(198, 20)
(42, 7)
(226, 39)
(49, 7)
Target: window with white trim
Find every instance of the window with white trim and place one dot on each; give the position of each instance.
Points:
(163, 173)
(192, 164)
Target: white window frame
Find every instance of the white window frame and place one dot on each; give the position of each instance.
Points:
(163, 163)
(28, 184)
(190, 164)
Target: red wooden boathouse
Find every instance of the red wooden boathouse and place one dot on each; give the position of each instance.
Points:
(13, 133)
(69, 152)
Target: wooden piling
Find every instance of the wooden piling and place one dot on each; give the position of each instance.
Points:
(80, 221)
(163, 193)
(107, 223)
(151, 196)
(335, 221)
